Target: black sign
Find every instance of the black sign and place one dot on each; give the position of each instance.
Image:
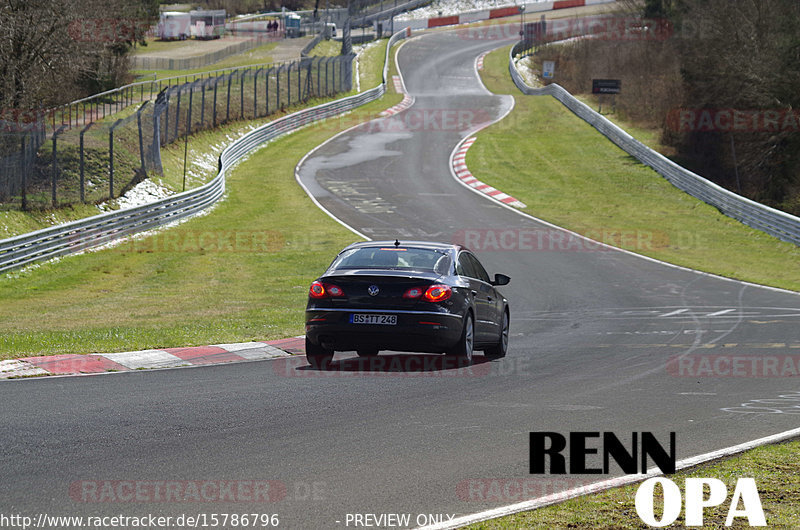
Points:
(606, 86)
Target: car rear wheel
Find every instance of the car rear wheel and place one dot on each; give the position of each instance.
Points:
(500, 349)
(317, 356)
(463, 348)
(367, 352)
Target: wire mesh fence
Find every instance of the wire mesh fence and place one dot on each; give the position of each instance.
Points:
(102, 152)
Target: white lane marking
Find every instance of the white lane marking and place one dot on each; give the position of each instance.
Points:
(606, 484)
(723, 312)
(676, 312)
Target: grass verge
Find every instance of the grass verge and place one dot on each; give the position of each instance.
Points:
(773, 467)
(569, 174)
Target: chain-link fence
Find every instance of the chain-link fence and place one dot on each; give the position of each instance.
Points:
(91, 157)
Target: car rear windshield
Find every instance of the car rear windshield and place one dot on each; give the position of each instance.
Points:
(397, 258)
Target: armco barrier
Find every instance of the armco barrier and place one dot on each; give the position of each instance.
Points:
(87, 233)
(774, 222)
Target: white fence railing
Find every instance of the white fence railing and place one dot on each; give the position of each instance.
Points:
(83, 234)
(774, 222)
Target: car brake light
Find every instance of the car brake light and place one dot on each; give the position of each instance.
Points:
(325, 290)
(438, 293)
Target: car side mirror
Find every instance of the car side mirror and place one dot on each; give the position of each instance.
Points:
(501, 279)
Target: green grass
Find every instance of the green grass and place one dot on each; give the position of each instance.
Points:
(195, 284)
(773, 467)
(569, 174)
(370, 66)
(326, 48)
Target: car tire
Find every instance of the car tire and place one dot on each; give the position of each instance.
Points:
(317, 356)
(465, 345)
(501, 348)
(367, 352)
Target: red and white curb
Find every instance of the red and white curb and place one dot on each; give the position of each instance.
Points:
(464, 175)
(479, 61)
(403, 105)
(75, 364)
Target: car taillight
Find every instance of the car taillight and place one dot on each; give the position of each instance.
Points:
(325, 290)
(414, 292)
(438, 293)
(316, 290)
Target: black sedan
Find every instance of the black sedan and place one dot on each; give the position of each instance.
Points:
(411, 296)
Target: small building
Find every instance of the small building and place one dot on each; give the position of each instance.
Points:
(174, 25)
(208, 24)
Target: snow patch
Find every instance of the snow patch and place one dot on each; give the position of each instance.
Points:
(528, 72)
(145, 192)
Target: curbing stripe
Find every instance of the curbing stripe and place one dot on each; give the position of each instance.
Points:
(462, 173)
(135, 360)
(76, 364)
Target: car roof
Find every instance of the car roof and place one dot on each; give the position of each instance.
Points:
(416, 244)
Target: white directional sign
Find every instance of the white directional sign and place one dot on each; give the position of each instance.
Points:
(548, 69)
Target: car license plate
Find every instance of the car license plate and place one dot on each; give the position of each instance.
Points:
(387, 320)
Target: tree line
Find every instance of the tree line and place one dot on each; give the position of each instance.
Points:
(54, 51)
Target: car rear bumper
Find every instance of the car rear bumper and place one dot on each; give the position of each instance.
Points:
(416, 331)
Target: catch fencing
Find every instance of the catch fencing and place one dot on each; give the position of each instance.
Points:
(87, 156)
(759, 216)
(78, 236)
(146, 62)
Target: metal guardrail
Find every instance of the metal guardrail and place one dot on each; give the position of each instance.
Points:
(756, 215)
(83, 234)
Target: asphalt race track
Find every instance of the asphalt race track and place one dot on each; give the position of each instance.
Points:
(596, 338)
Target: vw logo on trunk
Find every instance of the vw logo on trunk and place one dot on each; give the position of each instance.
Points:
(373, 290)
